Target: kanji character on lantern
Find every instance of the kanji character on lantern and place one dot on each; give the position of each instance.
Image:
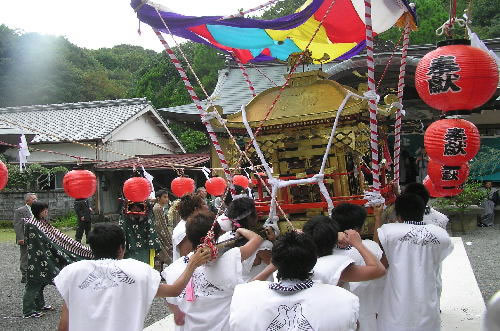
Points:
(450, 173)
(442, 73)
(455, 142)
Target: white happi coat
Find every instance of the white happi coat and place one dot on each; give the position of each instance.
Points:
(107, 294)
(213, 285)
(414, 251)
(314, 307)
(368, 292)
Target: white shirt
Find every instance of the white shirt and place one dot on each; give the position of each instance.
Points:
(368, 292)
(213, 285)
(414, 252)
(178, 235)
(321, 307)
(107, 294)
(329, 268)
(436, 218)
(250, 270)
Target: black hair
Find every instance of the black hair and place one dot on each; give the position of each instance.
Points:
(242, 206)
(418, 189)
(349, 216)
(105, 239)
(324, 231)
(229, 198)
(410, 207)
(198, 225)
(37, 207)
(159, 193)
(189, 203)
(294, 254)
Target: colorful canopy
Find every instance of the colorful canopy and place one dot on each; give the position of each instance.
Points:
(341, 36)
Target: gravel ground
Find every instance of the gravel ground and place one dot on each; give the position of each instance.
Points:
(484, 255)
(483, 252)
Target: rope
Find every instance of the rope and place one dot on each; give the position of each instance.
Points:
(183, 55)
(372, 102)
(389, 62)
(263, 74)
(399, 108)
(196, 100)
(245, 76)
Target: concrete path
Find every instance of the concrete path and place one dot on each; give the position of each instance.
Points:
(462, 305)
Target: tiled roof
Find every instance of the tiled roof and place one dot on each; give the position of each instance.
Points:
(232, 91)
(160, 161)
(73, 121)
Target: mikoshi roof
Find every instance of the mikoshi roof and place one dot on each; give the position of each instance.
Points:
(159, 161)
(81, 121)
(329, 29)
(232, 91)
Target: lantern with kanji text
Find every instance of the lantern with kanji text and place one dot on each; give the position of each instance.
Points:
(136, 189)
(241, 180)
(80, 184)
(456, 77)
(216, 186)
(4, 175)
(181, 186)
(441, 191)
(447, 176)
(452, 142)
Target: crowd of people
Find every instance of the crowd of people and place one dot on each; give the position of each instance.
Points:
(320, 277)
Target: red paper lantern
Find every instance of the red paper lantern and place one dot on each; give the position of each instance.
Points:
(216, 186)
(431, 188)
(4, 175)
(181, 186)
(452, 141)
(79, 184)
(456, 77)
(137, 189)
(447, 176)
(439, 192)
(241, 180)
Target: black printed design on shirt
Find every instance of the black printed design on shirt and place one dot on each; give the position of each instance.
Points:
(202, 287)
(106, 276)
(420, 236)
(290, 319)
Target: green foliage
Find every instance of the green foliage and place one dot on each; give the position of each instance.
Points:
(6, 224)
(485, 16)
(473, 194)
(192, 140)
(486, 162)
(27, 180)
(282, 8)
(67, 221)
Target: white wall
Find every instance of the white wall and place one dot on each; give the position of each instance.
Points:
(45, 157)
(144, 128)
(131, 148)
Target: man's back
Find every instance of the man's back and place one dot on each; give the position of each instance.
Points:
(107, 294)
(318, 307)
(20, 214)
(414, 251)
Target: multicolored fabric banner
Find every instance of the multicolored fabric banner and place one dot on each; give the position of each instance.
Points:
(341, 36)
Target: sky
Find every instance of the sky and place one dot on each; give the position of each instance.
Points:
(103, 23)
